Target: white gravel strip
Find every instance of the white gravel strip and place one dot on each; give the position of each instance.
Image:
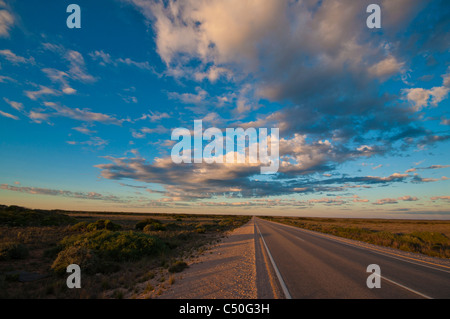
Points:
(225, 271)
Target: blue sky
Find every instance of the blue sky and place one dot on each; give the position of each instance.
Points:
(86, 114)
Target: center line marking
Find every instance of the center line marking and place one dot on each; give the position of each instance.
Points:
(407, 288)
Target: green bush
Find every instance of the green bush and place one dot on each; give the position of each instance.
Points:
(88, 260)
(116, 245)
(99, 251)
(11, 250)
(103, 224)
(141, 224)
(79, 226)
(20, 216)
(82, 256)
(97, 225)
(154, 227)
(153, 224)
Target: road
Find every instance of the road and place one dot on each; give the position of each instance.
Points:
(300, 264)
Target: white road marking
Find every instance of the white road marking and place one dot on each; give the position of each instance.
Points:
(367, 248)
(407, 288)
(277, 272)
(300, 238)
(364, 246)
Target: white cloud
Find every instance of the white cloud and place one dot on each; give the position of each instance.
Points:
(384, 201)
(4, 78)
(447, 198)
(15, 59)
(446, 77)
(213, 31)
(213, 74)
(93, 141)
(154, 116)
(16, 105)
(106, 59)
(84, 130)
(56, 75)
(69, 90)
(60, 77)
(238, 32)
(34, 95)
(63, 193)
(386, 67)
(421, 98)
(6, 22)
(145, 130)
(408, 198)
(190, 98)
(8, 115)
(38, 117)
(140, 65)
(438, 94)
(77, 69)
(82, 114)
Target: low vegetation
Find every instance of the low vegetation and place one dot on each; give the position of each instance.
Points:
(121, 255)
(20, 216)
(428, 237)
(13, 250)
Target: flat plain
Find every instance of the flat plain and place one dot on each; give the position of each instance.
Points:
(134, 255)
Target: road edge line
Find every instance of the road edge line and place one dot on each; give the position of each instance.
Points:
(367, 246)
(277, 272)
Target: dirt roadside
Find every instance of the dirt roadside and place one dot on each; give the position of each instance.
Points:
(225, 271)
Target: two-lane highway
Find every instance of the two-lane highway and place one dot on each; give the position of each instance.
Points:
(313, 265)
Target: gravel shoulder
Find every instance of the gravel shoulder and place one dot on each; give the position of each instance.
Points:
(225, 271)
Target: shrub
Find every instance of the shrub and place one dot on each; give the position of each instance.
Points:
(183, 235)
(20, 216)
(178, 266)
(103, 224)
(172, 226)
(98, 251)
(200, 230)
(88, 260)
(148, 221)
(11, 250)
(154, 227)
(79, 226)
(52, 252)
(82, 256)
(115, 245)
(97, 225)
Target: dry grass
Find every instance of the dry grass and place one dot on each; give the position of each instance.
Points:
(428, 237)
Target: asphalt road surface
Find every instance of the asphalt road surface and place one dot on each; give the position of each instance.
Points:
(309, 265)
